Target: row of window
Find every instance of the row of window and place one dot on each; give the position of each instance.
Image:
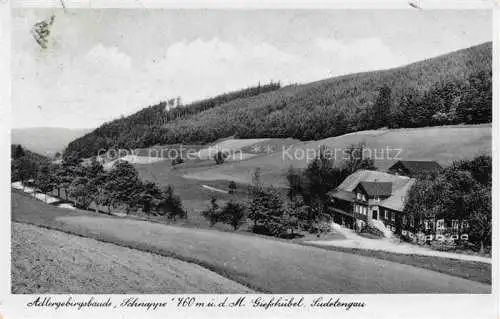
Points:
(361, 196)
(437, 224)
(386, 215)
(363, 210)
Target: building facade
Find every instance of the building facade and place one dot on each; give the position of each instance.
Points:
(369, 197)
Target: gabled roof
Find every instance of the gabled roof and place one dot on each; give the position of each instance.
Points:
(373, 189)
(400, 186)
(418, 167)
(344, 195)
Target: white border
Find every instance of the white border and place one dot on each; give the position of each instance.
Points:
(379, 306)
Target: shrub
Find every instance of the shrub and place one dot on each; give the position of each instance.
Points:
(232, 187)
(213, 213)
(233, 214)
(220, 157)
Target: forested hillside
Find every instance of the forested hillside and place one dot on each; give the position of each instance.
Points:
(449, 89)
(24, 163)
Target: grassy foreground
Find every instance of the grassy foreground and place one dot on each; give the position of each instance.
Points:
(261, 264)
(49, 261)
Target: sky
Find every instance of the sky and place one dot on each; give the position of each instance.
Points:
(101, 64)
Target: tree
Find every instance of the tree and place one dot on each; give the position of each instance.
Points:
(149, 196)
(171, 204)
(82, 191)
(294, 179)
(266, 210)
(23, 169)
(213, 213)
(64, 175)
(233, 214)
(479, 207)
(355, 159)
(94, 170)
(18, 152)
(461, 191)
(380, 109)
(98, 179)
(476, 105)
(220, 157)
(177, 160)
(123, 185)
(232, 187)
(45, 180)
(320, 177)
(480, 167)
(71, 159)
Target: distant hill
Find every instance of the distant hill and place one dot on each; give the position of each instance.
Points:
(46, 140)
(453, 88)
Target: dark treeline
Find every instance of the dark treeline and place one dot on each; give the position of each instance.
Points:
(146, 127)
(450, 89)
(90, 185)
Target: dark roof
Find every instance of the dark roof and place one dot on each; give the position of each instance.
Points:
(417, 167)
(400, 187)
(377, 188)
(343, 195)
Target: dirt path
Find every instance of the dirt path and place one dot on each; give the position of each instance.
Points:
(353, 240)
(49, 261)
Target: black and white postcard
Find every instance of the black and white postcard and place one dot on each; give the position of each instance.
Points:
(244, 159)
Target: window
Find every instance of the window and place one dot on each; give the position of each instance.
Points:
(364, 197)
(404, 220)
(440, 224)
(393, 216)
(465, 224)
(429, 224)
(386, 214)
(358, 195)
(412, 221)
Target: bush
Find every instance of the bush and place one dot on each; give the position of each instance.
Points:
(232, 187)
(177, 160)
(220, 157)
(213, 213)
(233, 214)
(171, 205)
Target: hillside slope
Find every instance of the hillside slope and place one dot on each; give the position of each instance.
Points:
(46, 140)
(78, 266)
(442, 144)
(450, 89)
(264, 265)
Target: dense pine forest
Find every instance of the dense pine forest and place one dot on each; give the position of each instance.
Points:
(451, 89)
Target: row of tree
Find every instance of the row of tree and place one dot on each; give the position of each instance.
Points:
(86, 185)
(461, 192)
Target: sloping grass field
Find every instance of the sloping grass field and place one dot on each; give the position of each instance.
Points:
(261, 264)
(49, 261)
(442, 144)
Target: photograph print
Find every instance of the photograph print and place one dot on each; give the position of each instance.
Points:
(284, 151)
